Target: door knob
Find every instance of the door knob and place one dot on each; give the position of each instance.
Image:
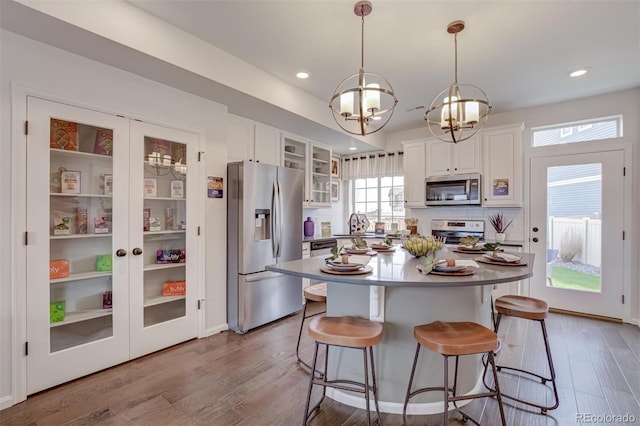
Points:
(137, 251)
(535, 239)
(121, 252)
(535, 229)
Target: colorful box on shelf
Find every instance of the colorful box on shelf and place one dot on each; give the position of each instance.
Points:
(174, 288)
(56, 311)
(61, 225)
(107, 300)
(104, 262)
(64, 135)
(58, 268)
(104, 142)
(170, 256)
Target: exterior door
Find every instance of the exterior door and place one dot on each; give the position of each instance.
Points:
(77, 219)
(576, 231)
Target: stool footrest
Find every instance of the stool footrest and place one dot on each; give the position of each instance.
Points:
(544, 379)
(341, 384)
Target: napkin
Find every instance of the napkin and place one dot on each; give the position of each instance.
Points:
(505, 256)
(464, 262)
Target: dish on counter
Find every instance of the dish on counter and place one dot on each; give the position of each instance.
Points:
(356, 250)
(339, 266)
(503, 257)
(445, 268)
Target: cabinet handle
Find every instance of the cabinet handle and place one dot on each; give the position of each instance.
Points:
(121, 252)
(535, 229)
(535, 239)
(137, 251)
(455, 168)
(485, 199)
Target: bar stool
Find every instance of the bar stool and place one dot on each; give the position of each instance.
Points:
(454, 339)
(347, 332)
(535, 310)
(315, 293)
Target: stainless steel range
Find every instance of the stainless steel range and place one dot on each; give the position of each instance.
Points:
(456, 229)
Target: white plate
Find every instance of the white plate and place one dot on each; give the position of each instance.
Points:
(445, 268)
(338, 266)
(508, 258)
(357, 251)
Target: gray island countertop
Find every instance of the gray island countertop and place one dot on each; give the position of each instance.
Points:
(398, 269)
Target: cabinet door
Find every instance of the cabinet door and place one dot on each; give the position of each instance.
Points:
(438, 158)
(414, 174)
(320, 174)
(295, 157)
(466, 156)
(267, 144)
(163, 237)
(77, 220)
(503, 167)
(240, 139)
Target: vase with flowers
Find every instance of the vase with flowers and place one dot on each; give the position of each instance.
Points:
(500, 225)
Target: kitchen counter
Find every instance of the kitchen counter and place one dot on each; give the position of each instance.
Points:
(398, 295)
(347, 236)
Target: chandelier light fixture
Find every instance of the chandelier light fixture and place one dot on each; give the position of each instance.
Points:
(363, 103)
(460, 110)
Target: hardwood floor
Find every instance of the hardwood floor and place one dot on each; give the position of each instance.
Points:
(248, 380)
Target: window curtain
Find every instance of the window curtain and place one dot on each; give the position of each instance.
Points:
(373, 165)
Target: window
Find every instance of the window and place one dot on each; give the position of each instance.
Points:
(381, 199)
(583, 131)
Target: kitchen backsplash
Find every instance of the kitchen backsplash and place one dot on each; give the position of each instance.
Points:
(338, 214)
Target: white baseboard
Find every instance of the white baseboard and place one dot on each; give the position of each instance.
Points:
(6, 402)
(215, 330)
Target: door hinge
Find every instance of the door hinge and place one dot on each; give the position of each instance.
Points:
(26, 127)
(26, 238)
(26, 348)
(623, 299)
(198, 230)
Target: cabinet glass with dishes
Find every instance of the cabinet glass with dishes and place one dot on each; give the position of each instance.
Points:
(315, 160)
(112, 290)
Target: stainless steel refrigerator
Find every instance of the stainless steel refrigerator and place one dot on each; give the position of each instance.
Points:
(264, 216)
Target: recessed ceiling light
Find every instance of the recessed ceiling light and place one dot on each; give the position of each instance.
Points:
(352, 148)
(302, 75)
(579, 73)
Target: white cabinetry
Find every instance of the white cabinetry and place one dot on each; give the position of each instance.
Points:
(444, 158)
(306, 254)
(93, 285)
(248, 140)
(502, 167)
(414, 174)
(315, 160)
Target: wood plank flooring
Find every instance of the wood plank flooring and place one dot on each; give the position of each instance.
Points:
(250, 380)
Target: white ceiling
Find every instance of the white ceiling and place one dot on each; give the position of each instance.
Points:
(518, 52)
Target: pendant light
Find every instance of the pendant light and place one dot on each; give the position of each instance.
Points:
(363, 103)
(460, 110)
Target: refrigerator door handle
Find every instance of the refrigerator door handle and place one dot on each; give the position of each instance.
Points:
(280, 220)
(274, 219)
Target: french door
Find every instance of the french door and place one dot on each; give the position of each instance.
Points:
(576, 217)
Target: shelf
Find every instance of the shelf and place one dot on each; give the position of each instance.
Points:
(83, 315)
(82, 276)
(60, 194)
(76, 236)
(317, 160)
(162, 299)
(81, 155)
(321, 174)
(320, 191)
(158, 266)
(164, 199)
(163, 235)
(293, 154)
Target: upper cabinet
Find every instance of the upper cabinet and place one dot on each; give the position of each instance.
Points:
(315, 160)
(502, 167)
(414, 174)
(444, 158)
(248, 140)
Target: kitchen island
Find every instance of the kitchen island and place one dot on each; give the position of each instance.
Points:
(396, 293)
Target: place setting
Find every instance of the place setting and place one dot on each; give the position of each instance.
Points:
(449, 267)
(501, 258)
(382, 247)
(341, 268)
(469, 245)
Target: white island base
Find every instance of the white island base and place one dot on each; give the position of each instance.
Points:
(402, 308)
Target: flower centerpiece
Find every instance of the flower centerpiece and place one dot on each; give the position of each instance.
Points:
(424, 247)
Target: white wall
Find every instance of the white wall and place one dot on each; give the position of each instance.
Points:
(60, 73)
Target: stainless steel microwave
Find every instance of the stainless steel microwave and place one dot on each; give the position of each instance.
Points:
(453, 190)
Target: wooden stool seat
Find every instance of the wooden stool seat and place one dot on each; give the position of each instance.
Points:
(522, 307)
(316, 292)
(456, 338)
(345, 331)
(527, 308)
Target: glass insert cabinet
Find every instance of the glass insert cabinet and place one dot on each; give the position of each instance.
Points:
(112, 252)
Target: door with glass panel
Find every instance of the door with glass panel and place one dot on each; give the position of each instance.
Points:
(576, 211)
(164, 239)
(77, 222)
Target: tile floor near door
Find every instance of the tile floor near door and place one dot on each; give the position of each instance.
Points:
(228, 379)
